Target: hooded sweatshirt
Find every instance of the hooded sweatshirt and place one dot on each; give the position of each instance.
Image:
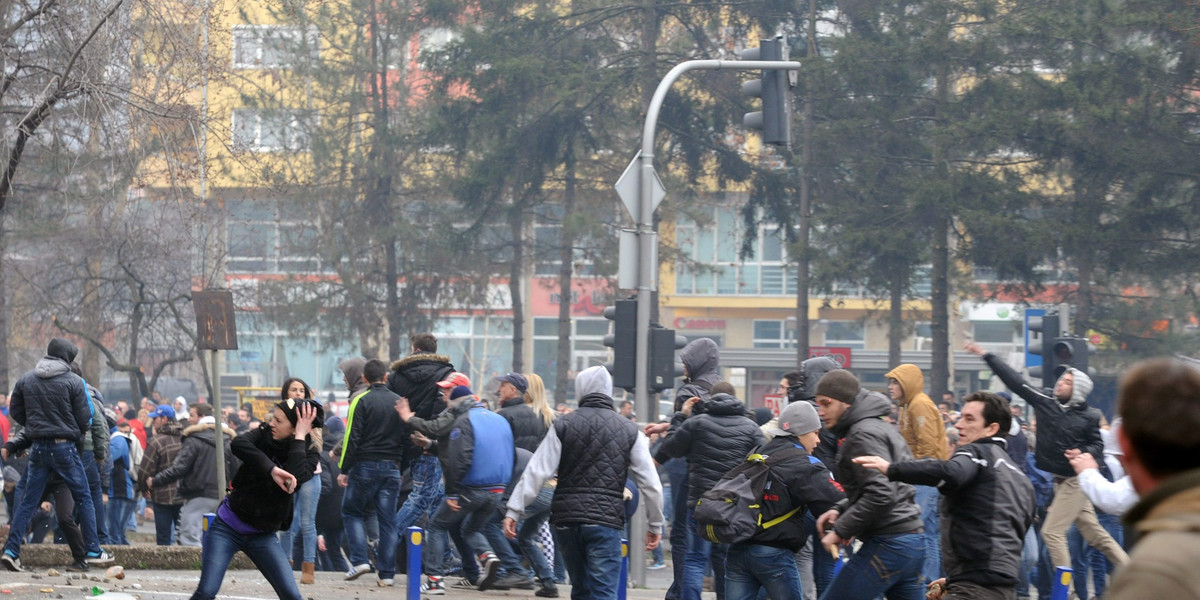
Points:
(701, 358)
(1062, 425)
(920, 421)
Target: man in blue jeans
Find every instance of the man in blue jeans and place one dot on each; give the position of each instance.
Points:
(427, 489)
(371, 447)
(477, 456)
(987, 503)
(879, 512)
(798, 483)
(51, 403)
(592, 450)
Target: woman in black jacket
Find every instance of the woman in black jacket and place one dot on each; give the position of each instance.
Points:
(277, 459)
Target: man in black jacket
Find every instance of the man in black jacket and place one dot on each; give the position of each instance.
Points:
(51, 405)
(527, 427)
(415, 377)
(1064, 423)
(882, 514)
(195, 468)
(375, 439)
(987, 504)
(701, 371)
(714, 436)
(798, 483)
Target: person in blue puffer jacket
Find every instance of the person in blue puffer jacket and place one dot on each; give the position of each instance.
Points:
(122, 500)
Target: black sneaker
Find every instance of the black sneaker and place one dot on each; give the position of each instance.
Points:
(79, 566)
(514, 581)
(547, 589)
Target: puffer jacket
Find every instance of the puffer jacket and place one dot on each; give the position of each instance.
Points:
(1060, 427)
(51, 402)
(195, 468)
(528, 429)
(713, 442)
(701, 358)
(256, 499)
(1163, 562)
(873, 505)
(987, 506)
(597, 444)
(920, 421)
(415, 377)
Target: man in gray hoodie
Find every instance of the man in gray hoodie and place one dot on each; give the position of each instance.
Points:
(51, 404)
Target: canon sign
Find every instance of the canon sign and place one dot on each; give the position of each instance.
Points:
(686, 323)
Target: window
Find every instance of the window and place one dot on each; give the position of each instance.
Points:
(273, 46)
(711, 265)
(261, 237)
(774, 334)
(845, 334)
(269, 130)
(997, 332)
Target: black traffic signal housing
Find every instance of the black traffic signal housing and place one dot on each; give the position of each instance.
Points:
(1046, 329)
(1069, 352)
(775, 89)
(664, 364)
(623, 341)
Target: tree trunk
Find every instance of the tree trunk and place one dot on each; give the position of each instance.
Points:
(4, 386)
(516, 274)
(395, 316)
(939, 374)
(566, 256)
(895, 321)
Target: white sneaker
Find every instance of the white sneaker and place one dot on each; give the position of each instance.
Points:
(386, 582)
(434, 587)
(357, 570)
(11, 562)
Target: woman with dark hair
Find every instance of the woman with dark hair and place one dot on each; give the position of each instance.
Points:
(304, 517)
(276, 458)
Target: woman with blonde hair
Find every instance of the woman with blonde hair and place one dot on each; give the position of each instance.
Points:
(535, 397)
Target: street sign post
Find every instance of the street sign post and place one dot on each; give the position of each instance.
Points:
(641, 177)
(216, 330)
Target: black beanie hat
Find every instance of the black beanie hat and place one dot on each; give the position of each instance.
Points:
(293, 415)
(60, 348)
(839, 384)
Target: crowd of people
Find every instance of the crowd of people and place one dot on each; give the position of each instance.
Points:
(861, 494)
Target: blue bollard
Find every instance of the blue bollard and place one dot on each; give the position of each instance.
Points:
(1061, 588)
(208, 520)
(415, 540)
(624, 570)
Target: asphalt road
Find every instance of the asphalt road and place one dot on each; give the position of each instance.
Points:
(242, 585)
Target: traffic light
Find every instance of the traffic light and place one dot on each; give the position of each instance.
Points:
(1069, 352)
(664, 367)
(623, 341)
(775, 89)
(1041, 332)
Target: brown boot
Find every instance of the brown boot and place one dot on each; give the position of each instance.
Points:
(306, 572)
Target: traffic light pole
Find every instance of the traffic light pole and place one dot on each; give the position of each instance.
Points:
(646, 280)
